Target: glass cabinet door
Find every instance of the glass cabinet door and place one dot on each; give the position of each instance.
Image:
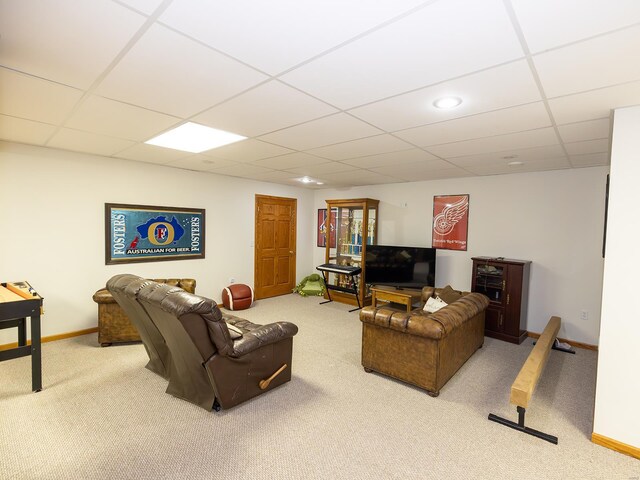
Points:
(490, 281)
(349, 235)
(355, 228)
(371, 227)
(348, 247)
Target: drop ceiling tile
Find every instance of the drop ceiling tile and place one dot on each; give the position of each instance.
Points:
(589, 146)
(550, 23)
(335, 180)
(24, 131)
(241, 170)
(200, 162)
(145, 6)
(35, 99)
(366, 177)
(291, 160)
(152, 154)
(283, 33)
(589, 130)
(321, 169)
(414, 155)
(278, 176)
(590, 160)
(500, 87)
(419, 171)
(359, 148)
(358, 178)
(528, 139)
(109, 117)
(499, 122)
(594, 104)
(502, 169)
(247, 151)
(70, 42)
(418, 50)
(324, 131)
(599, 62)
(266, 108)
(69, 139)
(167, 72)
(525, 155)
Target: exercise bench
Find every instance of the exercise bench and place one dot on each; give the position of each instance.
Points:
(527, 380)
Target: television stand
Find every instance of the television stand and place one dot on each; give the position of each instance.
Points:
(391, 295)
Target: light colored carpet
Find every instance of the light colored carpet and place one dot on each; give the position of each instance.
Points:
(103, 415)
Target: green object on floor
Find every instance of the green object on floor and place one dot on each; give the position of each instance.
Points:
(311, 285)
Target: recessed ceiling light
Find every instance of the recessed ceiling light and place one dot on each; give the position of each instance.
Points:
(194, 138)
(515, 163)
(306, 179)
(447, 102)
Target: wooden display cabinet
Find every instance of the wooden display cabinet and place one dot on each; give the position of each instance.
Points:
(506, 283)
(356, 226)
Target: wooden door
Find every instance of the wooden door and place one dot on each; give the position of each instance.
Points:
(275, 246)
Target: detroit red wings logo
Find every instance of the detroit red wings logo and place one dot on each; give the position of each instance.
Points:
(445, 221)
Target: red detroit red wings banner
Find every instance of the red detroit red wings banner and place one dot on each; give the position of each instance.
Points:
(450, 222)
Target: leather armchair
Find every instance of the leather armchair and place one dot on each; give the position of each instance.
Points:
(124, 289)
(114, 325)
(208, 367)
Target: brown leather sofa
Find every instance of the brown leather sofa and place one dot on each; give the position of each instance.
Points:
(207, 366)
(419, 348)
(114, 325)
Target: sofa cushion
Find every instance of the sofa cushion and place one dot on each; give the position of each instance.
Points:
(449, 295)
(434, 304)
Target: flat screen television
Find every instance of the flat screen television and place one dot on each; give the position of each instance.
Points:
(400, 267)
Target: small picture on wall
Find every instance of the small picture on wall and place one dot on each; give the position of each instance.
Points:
(325, 224)
(450, 222)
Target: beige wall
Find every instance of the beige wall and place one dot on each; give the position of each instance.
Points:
(52, 221)
(618, 384)
(53, 230)
(555, 219)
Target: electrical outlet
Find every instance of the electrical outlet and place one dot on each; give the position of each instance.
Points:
(232, 280)
(584, 315)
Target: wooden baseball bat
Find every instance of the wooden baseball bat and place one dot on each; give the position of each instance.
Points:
(265, 383)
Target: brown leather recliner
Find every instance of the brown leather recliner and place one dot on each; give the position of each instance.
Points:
(208, 367)
(114, 325)
(124, 289)
(423, 349)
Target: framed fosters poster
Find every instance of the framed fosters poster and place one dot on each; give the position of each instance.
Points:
(450, 222)
(142, 233)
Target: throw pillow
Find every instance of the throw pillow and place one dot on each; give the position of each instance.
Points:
(449, 295)
(234, 331)
(434, 304)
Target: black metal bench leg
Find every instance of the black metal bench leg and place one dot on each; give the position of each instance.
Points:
(520, 426)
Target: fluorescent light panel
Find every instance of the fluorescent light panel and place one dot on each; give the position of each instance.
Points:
(194, 138)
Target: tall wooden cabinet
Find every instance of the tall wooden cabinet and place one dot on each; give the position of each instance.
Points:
(355, 223)
(506, 283)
